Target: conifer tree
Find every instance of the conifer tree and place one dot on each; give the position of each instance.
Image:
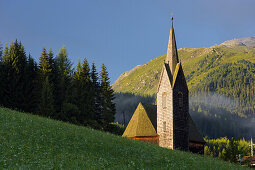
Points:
(47, 103)
(63, 86)
(1, 51)
(31, 87)
(20, 63)
(77, 73)
(107, 96)
(95, 93)
(87, 98)
(46, 85)
(77, 90)
(15, 63)
(4, 78)
(1, 84)
(54, 77)
(5, 55)
(51, 56)
(82, 92)
(12, 53)
(53, 73)
(77, 83)
(45, 65)
(1, 75)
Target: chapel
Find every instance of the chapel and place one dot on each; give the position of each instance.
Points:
(168, 124)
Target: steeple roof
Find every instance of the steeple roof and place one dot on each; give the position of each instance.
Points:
(172, 55)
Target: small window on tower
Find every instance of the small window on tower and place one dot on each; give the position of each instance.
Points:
(164, 100)
(164, 126)
(180, 98)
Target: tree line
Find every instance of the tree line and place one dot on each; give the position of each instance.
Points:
(227, 149)
(215, 122)
(234, 80)
(53, 88)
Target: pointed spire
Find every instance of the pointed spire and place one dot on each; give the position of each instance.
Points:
(172, 55)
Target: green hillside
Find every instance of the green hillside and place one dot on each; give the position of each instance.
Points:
(32, 142)
(227, 70)
(197, 64)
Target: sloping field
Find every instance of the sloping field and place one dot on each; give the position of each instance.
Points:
(32, 142)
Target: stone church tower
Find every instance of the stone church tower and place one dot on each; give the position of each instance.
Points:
(173, 101)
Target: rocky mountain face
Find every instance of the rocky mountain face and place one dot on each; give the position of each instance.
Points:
(249, 41)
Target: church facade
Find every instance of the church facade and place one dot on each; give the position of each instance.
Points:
(172, 101)
(168, 123)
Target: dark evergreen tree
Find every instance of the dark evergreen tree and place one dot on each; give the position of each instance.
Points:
(19, 59)
(15, 63)
(82, 92)
(45, 65)
(1, 75)
(77, 73)
(47, 104)
(9, 85)
(46, 86)
(1, 84)
(107, 96)
(5, 55)
(86, 107)
(4, 77)
(77, 88)
(95, 89)
(31, 87)
(64, 76)
(20, 63)
(1, 51)
(54, 77)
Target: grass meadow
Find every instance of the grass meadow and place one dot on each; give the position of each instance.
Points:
(32, 142)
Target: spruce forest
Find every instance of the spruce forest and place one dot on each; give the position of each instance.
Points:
(54, 89)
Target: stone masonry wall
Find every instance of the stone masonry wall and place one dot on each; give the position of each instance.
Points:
(181, 112)
(165, 114)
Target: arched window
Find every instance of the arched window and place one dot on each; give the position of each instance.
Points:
(164, 100)
(180, 99)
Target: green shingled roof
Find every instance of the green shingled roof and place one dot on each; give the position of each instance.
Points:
(140, 123)
(144, 123)
(151, 111)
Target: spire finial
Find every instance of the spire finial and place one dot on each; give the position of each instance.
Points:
(172, 18)
(172, 55)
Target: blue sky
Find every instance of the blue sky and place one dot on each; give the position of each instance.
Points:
(122, 33)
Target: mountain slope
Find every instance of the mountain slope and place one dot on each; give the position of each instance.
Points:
(32, 142)
(249, 41)
(197, 63)
(227, 69)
